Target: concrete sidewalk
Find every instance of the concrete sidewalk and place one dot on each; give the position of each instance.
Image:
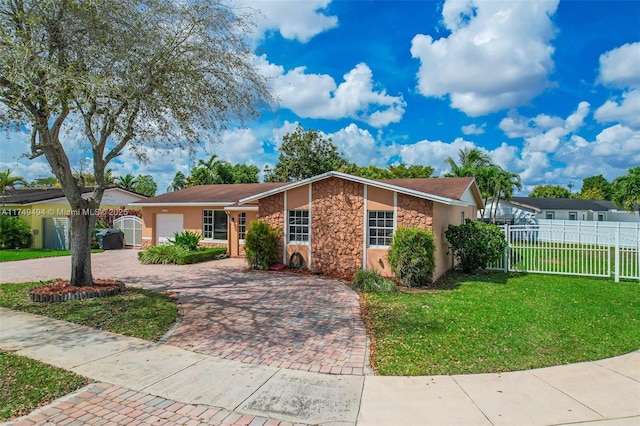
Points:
(162, 384)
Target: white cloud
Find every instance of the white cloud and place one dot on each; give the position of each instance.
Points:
(543, 132)
(294, 20)
(319, 96)
(431, 153)
(627, 111)
(616, 142)
(473, 129)
(620, 67)
(239, 146)
(497, 56)
(358, 146)
(614, 150)
(505, 156)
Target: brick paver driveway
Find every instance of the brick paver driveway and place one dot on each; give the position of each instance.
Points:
(271, 318)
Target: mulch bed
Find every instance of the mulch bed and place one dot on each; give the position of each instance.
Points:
(61, 290)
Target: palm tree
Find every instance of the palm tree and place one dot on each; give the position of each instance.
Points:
(109, 179)
(8, 182)
(126, 182)
(506, 182)
(204, 173)
(178, 182)
(469, 159)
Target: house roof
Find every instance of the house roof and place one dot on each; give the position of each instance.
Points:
(564, 204)
(209, 195)
(453, 188)
(24, 196)
(445, 190)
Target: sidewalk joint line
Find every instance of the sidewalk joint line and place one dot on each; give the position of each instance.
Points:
(471, 399)
(258, 388)
(564, 393)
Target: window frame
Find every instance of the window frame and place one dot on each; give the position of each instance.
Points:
(212, 225)
(602, 217)
(575, 215)
(298, 226)
(242, 226)
(373, 241)
(550, 215)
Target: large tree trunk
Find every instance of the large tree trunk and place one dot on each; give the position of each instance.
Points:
(81, 229)
(83, 219)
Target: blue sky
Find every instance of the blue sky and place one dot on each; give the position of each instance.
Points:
(551, 90)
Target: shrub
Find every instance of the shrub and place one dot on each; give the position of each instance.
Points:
(203, 255)
(14, 233)
(162, 254)
(475, 244)
(261, 245)
(371, 280)
(412, 256)
(188, 240)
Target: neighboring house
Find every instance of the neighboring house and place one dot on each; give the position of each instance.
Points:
(211, 210)
(526, 210)
(337, 223)
(47, 211)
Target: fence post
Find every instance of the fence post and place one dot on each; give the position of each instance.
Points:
(617, 254)
(506, 250)
(638, 249)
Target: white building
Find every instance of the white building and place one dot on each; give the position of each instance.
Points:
(527, 210)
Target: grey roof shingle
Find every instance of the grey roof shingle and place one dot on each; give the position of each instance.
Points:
(565, 204)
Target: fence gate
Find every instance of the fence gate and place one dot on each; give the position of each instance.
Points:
(131, 226)
(55, 233)
(598, 249)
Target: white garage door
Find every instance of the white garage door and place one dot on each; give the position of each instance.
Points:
(167, 224)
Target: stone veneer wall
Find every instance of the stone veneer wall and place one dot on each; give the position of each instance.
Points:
(272, 211)
(337, 212)
(414, 212)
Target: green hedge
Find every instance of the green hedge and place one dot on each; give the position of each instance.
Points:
(201, 255)
(176, 255)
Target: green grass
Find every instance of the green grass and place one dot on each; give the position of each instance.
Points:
(135, 312)
(26, 384)
(502, 322)
(23, 254)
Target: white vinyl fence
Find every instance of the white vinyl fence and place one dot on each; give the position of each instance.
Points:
(600, 249)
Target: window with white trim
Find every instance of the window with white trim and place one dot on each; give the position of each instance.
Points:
(242, 225)
(214, 225)
(550, 215)
(380, 229)
(298, 221)
(573, 215)
(601, 217)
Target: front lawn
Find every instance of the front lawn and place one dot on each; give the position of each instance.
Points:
(502, 322)
(26, 384)
(23, 254)
(135, 312)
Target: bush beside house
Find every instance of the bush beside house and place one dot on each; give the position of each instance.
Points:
(261, 245)
(475, 244)
(412, 256)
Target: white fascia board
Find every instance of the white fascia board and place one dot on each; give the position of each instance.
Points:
(87, 194)
(225, 204)
(242, 208)
(358, 179)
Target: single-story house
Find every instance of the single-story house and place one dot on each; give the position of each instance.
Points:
(526, 210)
(337, 223)
(47, 211)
